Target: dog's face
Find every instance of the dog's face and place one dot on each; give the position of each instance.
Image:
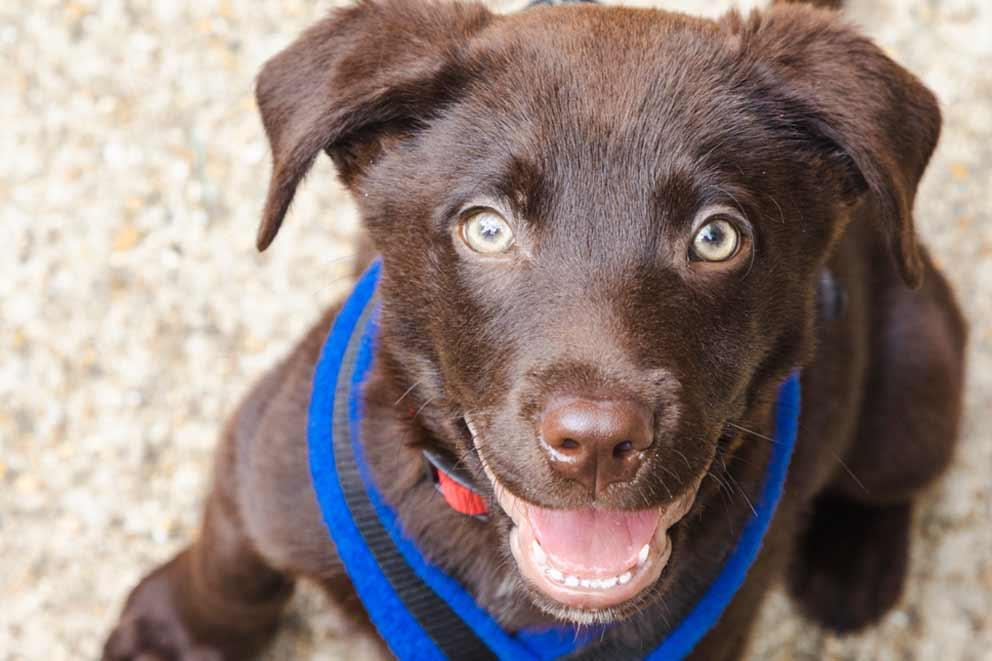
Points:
(601, 231)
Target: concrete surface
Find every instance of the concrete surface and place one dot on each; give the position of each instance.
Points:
(134, 311)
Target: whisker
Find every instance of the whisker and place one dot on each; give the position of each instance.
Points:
(836, 456)
(728, 494)
(674, 475)
(731, 458)
(665, 616)
(422, 407)
(406, 392)
(850, 472)
(751, 431)
(740, 489)
(684, 458)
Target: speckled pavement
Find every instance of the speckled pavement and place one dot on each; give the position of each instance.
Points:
(134, 311)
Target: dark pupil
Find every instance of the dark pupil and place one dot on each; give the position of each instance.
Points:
(713, 234)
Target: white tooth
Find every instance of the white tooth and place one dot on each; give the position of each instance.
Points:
(597, 583)
(608, 583)
(539, 555)
(624, 578)
(642, 557)
(572, 581)
(555, 575)
(586, 583)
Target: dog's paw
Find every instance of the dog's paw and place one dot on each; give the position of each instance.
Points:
(152, 628)
(850, 564)
(142, 638)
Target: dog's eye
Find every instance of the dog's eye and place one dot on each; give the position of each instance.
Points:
(486, 232)
(716, 241)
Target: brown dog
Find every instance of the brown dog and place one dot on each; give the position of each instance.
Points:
(608, 235)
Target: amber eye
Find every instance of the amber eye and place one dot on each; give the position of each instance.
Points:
(716, 241)
(487, 232)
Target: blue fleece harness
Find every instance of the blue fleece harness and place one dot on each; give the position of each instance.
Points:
(421, 612)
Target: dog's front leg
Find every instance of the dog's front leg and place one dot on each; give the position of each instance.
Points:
(221, 597)
(216, 600)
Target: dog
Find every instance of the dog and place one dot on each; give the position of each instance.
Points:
(607, 237)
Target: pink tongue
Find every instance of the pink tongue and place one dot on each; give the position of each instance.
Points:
(593, 541)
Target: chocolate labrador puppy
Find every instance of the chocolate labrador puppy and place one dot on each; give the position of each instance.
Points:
(608, 236)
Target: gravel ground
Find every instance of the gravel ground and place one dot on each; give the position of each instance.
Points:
(134, 310)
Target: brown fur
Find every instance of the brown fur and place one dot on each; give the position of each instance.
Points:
(603, 131)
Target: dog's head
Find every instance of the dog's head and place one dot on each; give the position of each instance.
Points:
(601, 231)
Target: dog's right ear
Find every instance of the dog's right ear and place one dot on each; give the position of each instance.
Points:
(373, 70)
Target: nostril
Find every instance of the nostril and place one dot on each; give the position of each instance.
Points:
(621, 450)
(596, 442)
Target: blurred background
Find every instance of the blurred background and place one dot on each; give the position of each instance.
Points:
(134, 310)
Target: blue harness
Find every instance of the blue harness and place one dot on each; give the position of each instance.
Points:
(421, 612)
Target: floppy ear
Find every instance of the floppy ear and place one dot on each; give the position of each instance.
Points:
(878, 123)
(376, 69)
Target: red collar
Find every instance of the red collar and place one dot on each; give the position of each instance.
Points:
(455, 486)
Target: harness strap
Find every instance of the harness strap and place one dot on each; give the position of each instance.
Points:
(423, 613)
(448, 631)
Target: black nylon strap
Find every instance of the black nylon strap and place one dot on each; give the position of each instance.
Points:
(456, 640)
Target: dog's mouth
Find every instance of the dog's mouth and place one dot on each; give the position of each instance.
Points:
(591, 559)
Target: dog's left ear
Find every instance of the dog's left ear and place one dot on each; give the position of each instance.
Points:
(877, 123)
(368, 74)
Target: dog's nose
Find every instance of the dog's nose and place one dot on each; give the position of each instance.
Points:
(596, 442)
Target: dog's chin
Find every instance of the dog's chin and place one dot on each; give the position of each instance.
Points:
(591, 566)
